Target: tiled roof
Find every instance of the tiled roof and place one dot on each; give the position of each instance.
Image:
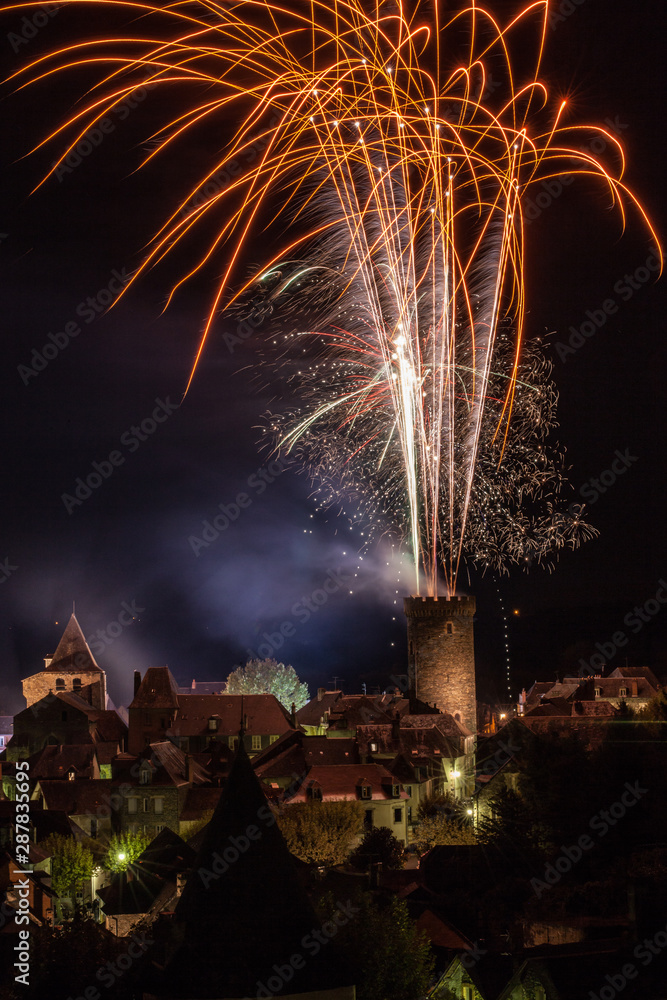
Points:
(74, 798)
(311, 713)
(169, 766)
(342, 781)
(55, 761)
(157, 690)
(73, 652)
(636, 673)
(265, 714)
(295, 752)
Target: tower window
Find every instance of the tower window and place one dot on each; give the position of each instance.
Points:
(60, 683)
(76, 684)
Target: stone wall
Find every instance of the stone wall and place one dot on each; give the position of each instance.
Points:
(441, 654)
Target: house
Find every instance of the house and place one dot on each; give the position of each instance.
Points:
(154, 786)
(91, 804)
(26, 887)
(64, 718)
(159, 711)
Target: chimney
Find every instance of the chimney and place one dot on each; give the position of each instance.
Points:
(137, 682)
(320, 693)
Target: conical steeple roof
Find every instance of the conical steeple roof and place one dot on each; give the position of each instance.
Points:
(243, 911)
(73, 652)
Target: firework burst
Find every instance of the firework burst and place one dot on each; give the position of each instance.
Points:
(400, 161)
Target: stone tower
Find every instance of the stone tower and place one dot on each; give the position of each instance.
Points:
(441, 654)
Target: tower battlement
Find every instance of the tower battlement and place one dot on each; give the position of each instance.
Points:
(444, 607)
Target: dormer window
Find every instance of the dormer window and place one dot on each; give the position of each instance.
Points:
(145, 776)
(364, 789)
(71, 774)
(623, 692)
(395, 791)
(598, 692)
(314, 791)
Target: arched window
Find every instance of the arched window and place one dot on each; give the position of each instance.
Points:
(76, 684)
(60, 683)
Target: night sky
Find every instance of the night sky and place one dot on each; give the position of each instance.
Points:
(64, 251)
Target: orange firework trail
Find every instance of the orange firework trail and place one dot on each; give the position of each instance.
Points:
(402, 175)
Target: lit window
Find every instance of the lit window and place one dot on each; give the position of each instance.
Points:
(623, 692)
(232, 742)
(374, 747)
(365, 791)
(213, 724)
(159, 805)
(257, 743)
(272, 739)
(598, 692)
(71, 774)
(145, 776)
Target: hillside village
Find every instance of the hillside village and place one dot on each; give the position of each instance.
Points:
(528, 859)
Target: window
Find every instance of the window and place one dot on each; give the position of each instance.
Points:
(132, 805)
(623, 692)
(147, 805)
(368, 819)
(76, 684)
(314, 792)
(398, 815)
(213, 724)
(365, 791)
(374, 748)
(145, 776)
(257, 743)
(598, 692)
(232, 742)
(159, 827)
(159, 804)
(409, 814)
(60, 683)
(408, 789)
(468, 993)
(395, 791)
(272, 739)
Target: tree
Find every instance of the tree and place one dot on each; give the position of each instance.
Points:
(71, 863)
(440, 829)
(321, 832)
(379, 844)
(269, 677)
(441, 804)
(386, 956)
(655, 709)
(124, 849)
